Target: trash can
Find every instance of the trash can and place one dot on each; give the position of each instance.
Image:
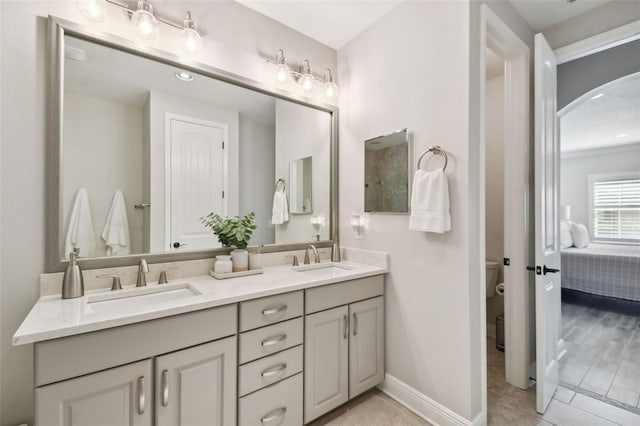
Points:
(500, 333)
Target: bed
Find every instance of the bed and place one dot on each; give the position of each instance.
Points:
(603, 269)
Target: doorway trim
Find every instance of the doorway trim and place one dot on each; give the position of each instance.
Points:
(497, 36)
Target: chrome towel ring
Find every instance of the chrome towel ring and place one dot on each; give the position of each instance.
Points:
(438, 151)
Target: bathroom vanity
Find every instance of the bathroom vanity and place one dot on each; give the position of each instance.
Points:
(279, 348)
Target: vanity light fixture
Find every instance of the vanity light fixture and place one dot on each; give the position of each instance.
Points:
(330, 88)
(96, 10)
(317, 221)
(282, 71)
(191, 41)
(144, 20)
(306, 79)
(357, 223)
(184, 76)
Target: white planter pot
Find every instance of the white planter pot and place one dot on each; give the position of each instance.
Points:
(240, 259)
(255, 261)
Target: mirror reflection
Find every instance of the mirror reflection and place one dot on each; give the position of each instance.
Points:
(386, 169)
(148, 149)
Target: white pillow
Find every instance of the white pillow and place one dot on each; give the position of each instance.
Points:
(579, 235)
(565, 235)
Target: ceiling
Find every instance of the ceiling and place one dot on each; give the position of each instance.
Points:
(601, 122)
(330, 22)
(542, 14)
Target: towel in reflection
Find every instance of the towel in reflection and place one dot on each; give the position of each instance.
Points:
(80, 232)
(116, 228)
(430, 202)
(280, 211)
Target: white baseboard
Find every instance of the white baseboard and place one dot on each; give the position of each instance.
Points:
(425, 407)
(491, 330)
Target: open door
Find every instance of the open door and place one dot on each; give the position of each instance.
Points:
(547, 249)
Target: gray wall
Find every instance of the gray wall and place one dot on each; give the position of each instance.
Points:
(233, 43)
(577, 77)
(575, 171)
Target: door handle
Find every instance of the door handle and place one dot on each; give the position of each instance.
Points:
(549, 270)
(165, 388)
(346, 326)
(274, 340)
(274, 415)
(355, 324)
(141, 401)
(178, 244)
(272, 371)
(276, 310)
(535, 269)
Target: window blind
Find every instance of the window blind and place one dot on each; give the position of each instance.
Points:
(616, 209)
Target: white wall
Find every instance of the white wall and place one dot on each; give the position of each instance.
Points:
(236, 37)
(111, 133)
(575, 171)
(304, 132)
(494, 192)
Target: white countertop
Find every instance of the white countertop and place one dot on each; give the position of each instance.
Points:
(53, 317)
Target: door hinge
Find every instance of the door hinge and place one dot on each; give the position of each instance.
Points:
(222, 145)
(222, 194)
(506, 261)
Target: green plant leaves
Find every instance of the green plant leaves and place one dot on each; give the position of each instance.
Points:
(231, 231)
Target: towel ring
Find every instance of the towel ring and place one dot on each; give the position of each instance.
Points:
(438, 151)
(280, 181)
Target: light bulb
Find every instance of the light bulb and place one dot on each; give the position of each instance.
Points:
(146, 24)
(330, 90)
(306, 79)
(191, 40)
(93, 9)
(282, 73)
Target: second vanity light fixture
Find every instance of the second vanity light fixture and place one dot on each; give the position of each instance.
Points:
(145, 21)
(303, 75)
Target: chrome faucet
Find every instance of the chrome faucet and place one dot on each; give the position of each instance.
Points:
(143, 268)
(316, 255)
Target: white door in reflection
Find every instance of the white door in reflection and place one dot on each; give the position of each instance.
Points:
(196, 171)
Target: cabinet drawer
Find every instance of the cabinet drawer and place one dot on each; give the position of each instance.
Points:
(269, 370)
(269, 340)
(269, 310)
(330, 296)
(279, 404)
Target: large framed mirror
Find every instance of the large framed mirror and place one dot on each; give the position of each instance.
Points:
(142, 145)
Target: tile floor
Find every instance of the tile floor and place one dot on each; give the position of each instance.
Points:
(602, 348)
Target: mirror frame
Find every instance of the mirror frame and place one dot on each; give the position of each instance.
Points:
(57, 29)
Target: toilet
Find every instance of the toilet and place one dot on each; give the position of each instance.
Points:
(492, 277)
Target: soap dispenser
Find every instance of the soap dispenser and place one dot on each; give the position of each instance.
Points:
(73, 282)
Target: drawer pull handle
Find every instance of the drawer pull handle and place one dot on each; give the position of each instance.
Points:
(165, 388)
(272, 371)
(346, 326)
(355, 324)
(274, 415)
(273, 311)
(141, 401)
(274, 340)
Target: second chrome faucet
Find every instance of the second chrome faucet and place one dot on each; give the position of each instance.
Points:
(143, 268)
(316, 255)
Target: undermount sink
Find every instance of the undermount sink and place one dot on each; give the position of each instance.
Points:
(328, 268)
(139, 298)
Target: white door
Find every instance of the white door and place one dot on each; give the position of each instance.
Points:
(547, 250)
(118, 396)
(366, 345)
(197, 386)
(196, 170)
(326, 361)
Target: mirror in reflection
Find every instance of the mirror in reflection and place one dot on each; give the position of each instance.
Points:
(386, 165)
(148, 149)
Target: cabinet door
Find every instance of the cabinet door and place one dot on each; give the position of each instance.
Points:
(119, 396)
(197, 386)
(366, 345)
(326, 361)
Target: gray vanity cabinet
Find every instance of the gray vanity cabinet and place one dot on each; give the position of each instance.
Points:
(192, 385)
(366, 345)
(118, 396)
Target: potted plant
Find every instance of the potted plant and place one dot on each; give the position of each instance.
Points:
(234, 232)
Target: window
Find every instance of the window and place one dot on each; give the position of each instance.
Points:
(615, 207)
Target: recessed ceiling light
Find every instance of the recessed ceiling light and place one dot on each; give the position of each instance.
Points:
(184, 76)
(622, 135)
(598, 96)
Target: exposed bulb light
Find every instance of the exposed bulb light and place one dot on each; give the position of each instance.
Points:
(306, 79)
(96, 10)
(145, 22)
(330, 88)
(622, 135)
(282, 71)
(191, 40)
(184, 76)
(598, 96)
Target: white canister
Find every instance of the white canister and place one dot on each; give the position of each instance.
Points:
(223, 265)
(255, 261)
(240, 259)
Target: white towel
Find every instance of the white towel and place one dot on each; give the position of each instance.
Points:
(80, 232)
(430, 202)
(280, 210)
(116, 228)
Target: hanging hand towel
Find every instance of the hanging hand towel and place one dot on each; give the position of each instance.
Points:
(116, 228)
(430, 202)
(80, 232)
(280, 210)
